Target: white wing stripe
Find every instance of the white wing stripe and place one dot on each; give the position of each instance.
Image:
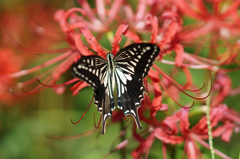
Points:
(118, 84)
(130, 68)
(126, 70)
(128, 77)
(121, 76)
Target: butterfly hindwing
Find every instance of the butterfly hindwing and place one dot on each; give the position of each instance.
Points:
(129, 96)
(105, 104)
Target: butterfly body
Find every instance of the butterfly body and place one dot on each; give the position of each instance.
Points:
(124, 71)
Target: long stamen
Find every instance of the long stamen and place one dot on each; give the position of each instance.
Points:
(230, 70)
(48, 63)
(168, 78)
(36, 52)
(189, 94)
(126, 118)
(35, 90)
(229, 59)
(6, 83)
(25, 93)
(33, 80)
(72, 137)
(173, 98)
(98, 121)
(59, 85)
(83, 113)
(184, 91)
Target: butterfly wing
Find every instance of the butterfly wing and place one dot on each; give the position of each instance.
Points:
(89, 69)
(129, 94)
(136, 59)
(132, 65)
(105, 102)
(93, 70)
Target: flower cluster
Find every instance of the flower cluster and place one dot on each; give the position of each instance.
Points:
(177, 28)
(30, 31)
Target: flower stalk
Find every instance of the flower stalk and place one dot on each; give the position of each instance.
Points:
(208, 103)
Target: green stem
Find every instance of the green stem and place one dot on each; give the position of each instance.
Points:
(209, 121)
(123, 137)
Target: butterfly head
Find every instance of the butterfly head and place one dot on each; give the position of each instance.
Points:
(109, 56)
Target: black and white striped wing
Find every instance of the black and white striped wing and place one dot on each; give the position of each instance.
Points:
(93, 70)
(136, 59)
(89, 69)
(132, 65)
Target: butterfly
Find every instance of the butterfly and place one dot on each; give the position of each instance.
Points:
(123, 72)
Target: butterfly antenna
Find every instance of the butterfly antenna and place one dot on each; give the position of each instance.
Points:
(98, 46)
(117, 41)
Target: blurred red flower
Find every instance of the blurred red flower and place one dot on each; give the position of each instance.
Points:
(10, 63)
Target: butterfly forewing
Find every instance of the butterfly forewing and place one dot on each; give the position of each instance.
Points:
(136, 59)
(92, 69)
(129, 96)
(88, 69)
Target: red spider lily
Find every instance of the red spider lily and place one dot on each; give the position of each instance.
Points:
(224, 19)
(173, 34)
(222, 86)
(105, 16)
(36, 30)
(167, 131)
(200, 131)
(144, 148)
(164, 131)
(9, 63)
(70, 21)
(221, 24)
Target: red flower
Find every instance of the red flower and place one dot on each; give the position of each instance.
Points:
(199, 132)
(35, 30)
(143, 148)
(222, 86)
(223, 19)
(9, 63)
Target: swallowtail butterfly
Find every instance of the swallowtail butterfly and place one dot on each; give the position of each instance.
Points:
(124, 72)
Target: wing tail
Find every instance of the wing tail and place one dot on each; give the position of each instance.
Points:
(129, 98)
(105, 105)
